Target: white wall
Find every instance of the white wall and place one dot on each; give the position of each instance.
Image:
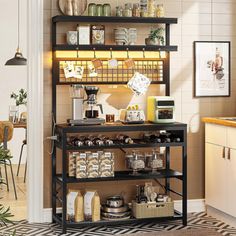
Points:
(12, 78)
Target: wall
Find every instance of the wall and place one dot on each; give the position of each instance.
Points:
(198, 20)
(12, 78)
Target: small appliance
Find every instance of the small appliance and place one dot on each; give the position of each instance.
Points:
(90, 104)
(160, 109)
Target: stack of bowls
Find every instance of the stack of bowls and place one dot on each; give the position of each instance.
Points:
(121, 36)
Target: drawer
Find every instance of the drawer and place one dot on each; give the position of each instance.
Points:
(216, 134)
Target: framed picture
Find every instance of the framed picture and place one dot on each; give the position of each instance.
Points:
(212, 68)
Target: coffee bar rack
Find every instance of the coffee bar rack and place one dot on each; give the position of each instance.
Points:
(158, 70)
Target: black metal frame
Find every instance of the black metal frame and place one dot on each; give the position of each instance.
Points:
(63, 130)
(62, 179)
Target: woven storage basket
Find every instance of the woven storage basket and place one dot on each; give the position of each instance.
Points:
(151, 210)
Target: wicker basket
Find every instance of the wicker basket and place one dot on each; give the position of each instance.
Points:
(151, 210)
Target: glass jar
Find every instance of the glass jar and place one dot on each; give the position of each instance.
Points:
(160, 10)
(151, 8)
(13, 113)
(92, 9)
(128, 10)
(106, 9)
(136, 10)
(143, 8)
(119, 11)
(99, 10)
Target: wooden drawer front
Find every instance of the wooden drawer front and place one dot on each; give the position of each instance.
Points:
(231, 137)
(216, 134)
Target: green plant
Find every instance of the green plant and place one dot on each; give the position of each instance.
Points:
(4, 153)
(157, 34)
(20, 98)
(5, 213)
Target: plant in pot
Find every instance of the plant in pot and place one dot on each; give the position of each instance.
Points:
(156, 37)
(20, 99)
(5, 213)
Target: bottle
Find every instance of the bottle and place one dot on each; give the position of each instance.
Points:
(77, 142)
(107, 140)
(125, 139)
(97, 141)
(88, 142)
(136, 10)
(141, 196)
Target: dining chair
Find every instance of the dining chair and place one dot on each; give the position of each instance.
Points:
(6, 134)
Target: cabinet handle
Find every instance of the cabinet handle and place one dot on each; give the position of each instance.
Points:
(229, 154)
(223, 153)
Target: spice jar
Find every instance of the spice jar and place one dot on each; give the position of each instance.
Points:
(99, 10)
(136, 10)
(160, 10)
(92, 9)
(106, 9)
(128, 10)
(119, 11)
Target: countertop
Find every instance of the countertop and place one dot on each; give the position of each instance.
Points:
(219, 121)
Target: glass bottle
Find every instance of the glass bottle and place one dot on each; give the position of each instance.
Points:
(125, 139)
(160, 10)
(136, 10)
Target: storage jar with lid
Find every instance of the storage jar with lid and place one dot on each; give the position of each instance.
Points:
(119, 11)
(92, 9)
(99, 10)
(151, 8)
(160, 10)
(128, 10)
(106, 9)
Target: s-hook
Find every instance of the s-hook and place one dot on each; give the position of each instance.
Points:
(111, 53)
(94, 52)
(127, 49)
(143, 52)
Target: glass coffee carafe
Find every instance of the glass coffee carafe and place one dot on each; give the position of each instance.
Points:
(91, 102)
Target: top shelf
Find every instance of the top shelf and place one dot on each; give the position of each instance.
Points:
(115, 19)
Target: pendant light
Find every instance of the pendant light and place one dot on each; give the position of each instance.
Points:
(18, 59)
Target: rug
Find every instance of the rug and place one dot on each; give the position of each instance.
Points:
(196, 222)
(186, 232)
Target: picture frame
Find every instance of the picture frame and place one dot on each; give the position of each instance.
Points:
(212, 69)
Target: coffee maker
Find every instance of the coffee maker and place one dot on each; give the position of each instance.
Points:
(89, 105)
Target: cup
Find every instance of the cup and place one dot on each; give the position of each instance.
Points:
(110, 118)
(13, 114)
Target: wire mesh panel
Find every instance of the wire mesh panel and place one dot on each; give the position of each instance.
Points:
(106, 74)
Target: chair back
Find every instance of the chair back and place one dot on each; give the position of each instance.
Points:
(6, 131)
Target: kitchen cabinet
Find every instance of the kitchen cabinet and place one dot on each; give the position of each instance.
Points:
(220, 167)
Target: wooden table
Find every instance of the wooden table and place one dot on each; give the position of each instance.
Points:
(20, 125)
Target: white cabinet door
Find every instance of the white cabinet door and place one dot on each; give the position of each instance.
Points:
(231, 137)
(216, 134)
(216, 177)
(231, 182)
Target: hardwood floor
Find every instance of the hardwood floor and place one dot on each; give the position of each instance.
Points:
(18, 207)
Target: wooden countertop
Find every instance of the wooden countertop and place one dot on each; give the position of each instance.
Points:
(220, 121)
